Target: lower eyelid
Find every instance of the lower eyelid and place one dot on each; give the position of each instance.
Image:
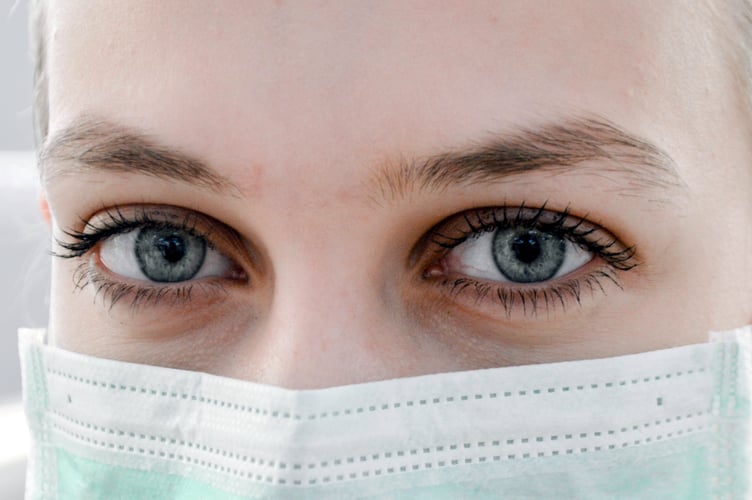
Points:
(112, 289)
(528, 300)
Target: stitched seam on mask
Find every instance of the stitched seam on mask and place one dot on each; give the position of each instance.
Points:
(253, 475)
(48, 464)
(285, 414)
(727, 408)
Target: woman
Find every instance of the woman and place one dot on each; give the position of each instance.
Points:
(313, 197)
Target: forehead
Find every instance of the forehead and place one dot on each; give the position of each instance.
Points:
(345, 83)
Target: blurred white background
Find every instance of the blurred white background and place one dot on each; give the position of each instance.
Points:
(24, 261)
(16, 131)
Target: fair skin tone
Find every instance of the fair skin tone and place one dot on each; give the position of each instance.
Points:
(328, 273)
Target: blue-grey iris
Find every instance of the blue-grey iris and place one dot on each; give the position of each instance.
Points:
(526, 255)
(169, 255)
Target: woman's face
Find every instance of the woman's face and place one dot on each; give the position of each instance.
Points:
(313, 196)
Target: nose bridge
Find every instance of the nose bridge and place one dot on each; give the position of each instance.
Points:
(328, 322)
(325, 296)
(323, 271)
(323, 332)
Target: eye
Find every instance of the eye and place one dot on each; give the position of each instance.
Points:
(162, 255)
(517, 255)
(522, 257)
(152, 253)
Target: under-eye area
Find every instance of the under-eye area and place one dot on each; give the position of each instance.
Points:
(149, 254)
(525, 258)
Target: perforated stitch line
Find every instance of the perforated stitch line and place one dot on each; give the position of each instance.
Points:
(180, 457)
(171, 441)
(258, 466)
(261, 478)
(283, 414)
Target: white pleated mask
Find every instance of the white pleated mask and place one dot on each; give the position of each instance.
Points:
(673, 423)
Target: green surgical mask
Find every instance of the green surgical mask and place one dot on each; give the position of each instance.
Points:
(673, 423)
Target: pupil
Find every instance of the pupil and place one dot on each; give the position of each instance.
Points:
(526, 248)
(172, 248)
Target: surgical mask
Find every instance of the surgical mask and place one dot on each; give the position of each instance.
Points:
(673, 423)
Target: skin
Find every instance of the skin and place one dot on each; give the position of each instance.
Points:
(300, 106)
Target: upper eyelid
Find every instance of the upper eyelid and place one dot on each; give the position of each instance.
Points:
(578, 229)
(489, 218)
(118, 219)
(486, 218)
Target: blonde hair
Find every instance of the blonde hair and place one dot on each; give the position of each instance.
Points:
(738, 36)
(38, 44)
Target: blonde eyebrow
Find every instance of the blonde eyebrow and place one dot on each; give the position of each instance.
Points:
(559, 147)
(582, 143)
(99, 145)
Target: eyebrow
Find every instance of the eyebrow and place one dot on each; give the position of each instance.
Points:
(592, 145)
(588, 145)
(98, 145)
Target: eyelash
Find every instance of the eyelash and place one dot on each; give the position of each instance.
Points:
(463, 226)
(578, 230)
(113, 223)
